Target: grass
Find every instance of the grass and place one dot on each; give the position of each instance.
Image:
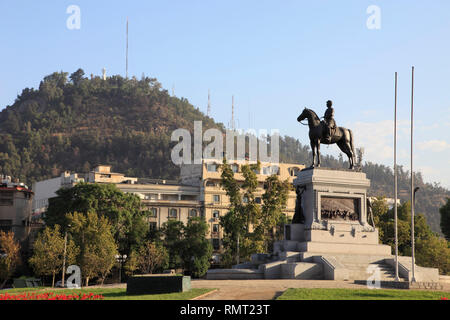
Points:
(116, 293)
(361, 294)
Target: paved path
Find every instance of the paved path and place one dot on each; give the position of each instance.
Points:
(262, 289)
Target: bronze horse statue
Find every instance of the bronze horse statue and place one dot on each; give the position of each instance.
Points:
(343, 137)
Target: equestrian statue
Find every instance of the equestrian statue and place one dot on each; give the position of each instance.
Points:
(326, 132)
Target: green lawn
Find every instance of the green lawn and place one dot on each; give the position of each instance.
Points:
(116, 293)
(361, 294)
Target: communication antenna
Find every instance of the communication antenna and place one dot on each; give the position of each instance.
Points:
(232, 124)
(208, 112)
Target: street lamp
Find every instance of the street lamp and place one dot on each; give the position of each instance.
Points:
(121, 259)
(64, 256)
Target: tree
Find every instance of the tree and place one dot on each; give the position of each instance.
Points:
(129, 226)
(445, 219)
(172, 232)
(77, 76)
(274, 201)
(236, 222)
(48, 252)
(98, 250)
(196, 250)
(147, 259)
(433, 252)
(9, 256)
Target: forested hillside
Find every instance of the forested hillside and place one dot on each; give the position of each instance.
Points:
(72, 122)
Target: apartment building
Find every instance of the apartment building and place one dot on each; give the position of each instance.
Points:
(15, 208)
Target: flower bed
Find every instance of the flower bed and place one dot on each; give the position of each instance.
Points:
(50, 296)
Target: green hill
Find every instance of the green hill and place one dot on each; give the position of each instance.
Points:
(73, 123)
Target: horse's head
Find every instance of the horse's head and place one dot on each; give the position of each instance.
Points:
(303, 115)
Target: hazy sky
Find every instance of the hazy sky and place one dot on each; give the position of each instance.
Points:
(275, 57)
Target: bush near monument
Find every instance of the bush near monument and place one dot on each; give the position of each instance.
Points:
(431, 249)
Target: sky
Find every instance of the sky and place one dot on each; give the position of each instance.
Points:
(275, 57)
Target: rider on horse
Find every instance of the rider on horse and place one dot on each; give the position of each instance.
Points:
(329, 122)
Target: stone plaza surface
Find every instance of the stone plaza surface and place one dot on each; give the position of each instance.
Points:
(335, 240)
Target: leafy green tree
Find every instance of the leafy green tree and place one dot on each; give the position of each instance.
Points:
(274, 201)
(445, 219)
(148, 258)
(172, 232)
(430, 249)
(236, 222)
(9, 256)
(196, 250)
(248, 222)
(433, 252)
(98, 250)
(128, 221)
(48, 252)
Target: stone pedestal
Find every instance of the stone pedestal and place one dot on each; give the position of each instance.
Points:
(335, 213)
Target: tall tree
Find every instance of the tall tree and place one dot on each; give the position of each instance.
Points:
(48, 252)
(274, 201)
(172, 232)
(9, 256)
(196, 250)
(98, 250)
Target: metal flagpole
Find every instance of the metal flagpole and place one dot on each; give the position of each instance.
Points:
(395, 182)
(412, 180)
(127, 53)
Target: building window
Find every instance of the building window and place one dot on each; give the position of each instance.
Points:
(271, 170)
(258, 200)
(5, 225)
(210, 184)
(6, 198)
(192, 213)
(153, 213)
(245, 200)
(211, 167)
(216, 198)
(152, 226)
(293, 171)
(215, 228)
(216, 244)
(216, 214)
(173, 213)
(235, 168)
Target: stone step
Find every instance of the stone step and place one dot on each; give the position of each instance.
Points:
(344, 248)
(302, 271)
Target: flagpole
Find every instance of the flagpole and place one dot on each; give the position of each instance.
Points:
(395, 182)
(413, 279)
